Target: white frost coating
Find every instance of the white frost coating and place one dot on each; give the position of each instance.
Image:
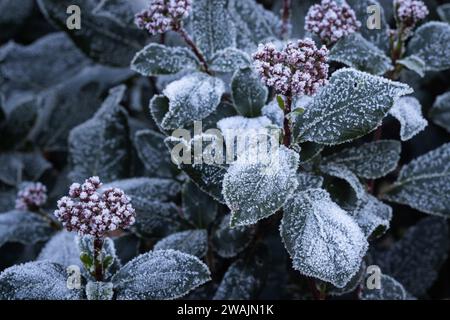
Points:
(273, 111)
(372, 216)
(41, 280)
(356, 52)
(99, 290)
(353, 104)
(424, 183)
(342, 172)
(322, 239)
(193, 242)
(408, 111)
(194, 97)
(160, 274)
(229, 59)
(431, 43)
(440, 113)
(371, 160)
(308, 181)
(257, 190)
(62, 249)
(391, 289)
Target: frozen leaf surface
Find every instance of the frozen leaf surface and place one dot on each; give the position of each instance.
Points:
(41, 280)
(193, 242)
(371, 160)
(356, 52)
(254, 191)
(353, 104)
(273, 111)
(414, 63)
(424, 183)
(372, 216)
(390, 289)
(100, 146)
(431, 43)
(156, 59)
(61, 249)
(440, 113)
(408, 111)
(120, 11)
(229, 59)
(444, 12)
(308, 181)
(99, 290)
(160, 274)
(322, 239)
(191, 98)
(198, 207)
(248, 92)
(16, 167)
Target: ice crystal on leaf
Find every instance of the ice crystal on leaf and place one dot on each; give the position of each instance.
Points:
(99, 290)
(372, 216)
(440, 113)
(408, 111)
(229, 59)
(193, 242)
(322, 239)
(62, 249)
(160, 274)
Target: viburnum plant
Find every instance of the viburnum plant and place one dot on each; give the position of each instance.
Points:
(94, 121)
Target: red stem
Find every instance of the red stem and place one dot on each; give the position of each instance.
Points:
(286, 123)
(98, 245)
(194, 49)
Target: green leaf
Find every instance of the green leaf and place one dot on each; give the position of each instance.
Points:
(322, 239)
(16, 167)
(198, 207)
(352, 105)
(99, 290)
(356, 52)
(390, 289)
(100, 146)
(444, 12)
(120, 11)
(101, 38)
(193, 242)
(431, 43)
(408, 111)
(61, 249)
(24, 227)
(160, 274)
(424, 183)
(194, 97)
(212, 27)
(254, 190)
(229, 59)
(372, 216)
(440, 112)
(414, 63)
(159, 107)
(371, 160)
(249, 93)
(156, 59)
(308, 181)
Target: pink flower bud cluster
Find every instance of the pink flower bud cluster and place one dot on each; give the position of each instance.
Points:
(163, 15)
(299, 69)
(31, 196)
(410, 12)
(331, 21)
(88, 212)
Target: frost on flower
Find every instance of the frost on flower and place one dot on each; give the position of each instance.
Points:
(163, 15)
(331, 20)
(410, 12)
(90, 212)
(300, 68)
(31, 196)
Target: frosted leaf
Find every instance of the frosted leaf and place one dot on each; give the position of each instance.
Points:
(127, 246)
(229, 59)
(159, 107)
(352, 285)
(243, 123)
(356, 52)
(431, 43)
(229, 242)
(152, 198)
(390, 289)
(309, 151)
(379, 37)
(100, 38)
(156, 59)
(212, 27)
(160, 274)
(191, 98)
(24, 227)
(371, 160)
(372, 216)
(254, 191)
(193, 242)
(322, 239)
(41, 280)
(198, 207)
(273, 111)
(308, 181)
(408, 111)
(414, 63)
(248, 92)
(352, 105)
(16, 167)
(7, 197)
(440, 112)
(73, 102)
(99, 290)
(120, 11)
(100, 146)
(444, 12)
(244, 278)
(153, 153)
(61, 249)
(22, 67)
(254, 23)
(224, 110)
(415, 260)
(424, 183)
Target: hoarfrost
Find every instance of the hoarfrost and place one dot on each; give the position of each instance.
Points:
(62, 249)
(408, 111)
(193, 242)
(440, 113)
